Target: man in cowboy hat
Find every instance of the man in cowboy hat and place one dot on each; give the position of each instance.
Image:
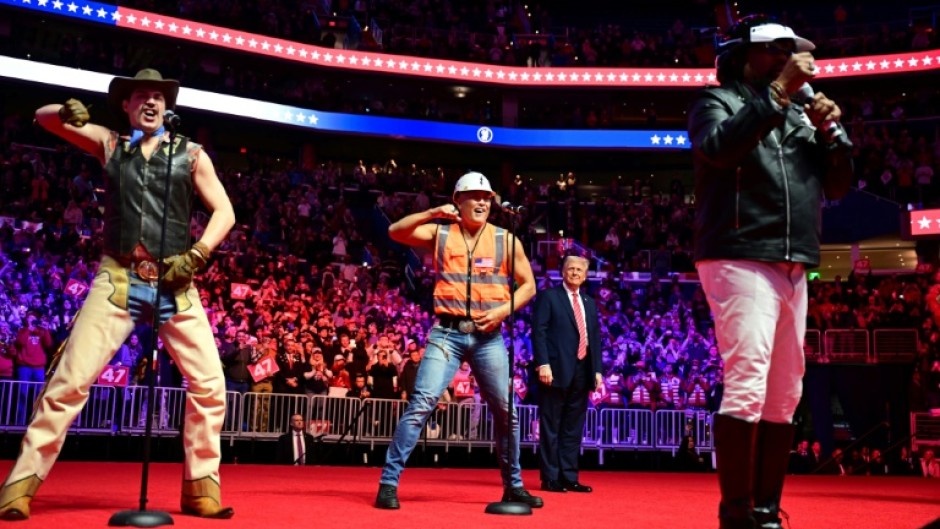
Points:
(134, 279)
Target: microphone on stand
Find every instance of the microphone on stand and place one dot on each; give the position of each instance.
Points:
(511, 209)
(171, 119)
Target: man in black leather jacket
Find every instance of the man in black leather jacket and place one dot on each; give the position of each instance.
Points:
(766, 150)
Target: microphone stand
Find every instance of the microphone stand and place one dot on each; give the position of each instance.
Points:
(510, 507)
(142, 517)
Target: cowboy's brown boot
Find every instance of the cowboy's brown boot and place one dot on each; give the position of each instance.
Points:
(15, 498)
(202, 497)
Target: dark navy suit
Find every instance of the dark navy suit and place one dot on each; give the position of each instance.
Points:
(563, 405)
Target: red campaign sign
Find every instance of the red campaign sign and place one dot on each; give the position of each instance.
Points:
(518, 385)
(263, 369)
(317, 428)
(116, 376)
(76, 288)
(463, 388)
(925, 222)
(240, 290)
(863, 265)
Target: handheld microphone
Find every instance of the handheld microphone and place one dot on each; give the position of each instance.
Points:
(171, 119)
(804, 96)
(512, 210)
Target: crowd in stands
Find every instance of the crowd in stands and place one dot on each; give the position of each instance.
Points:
(332, 303)
(453, 29)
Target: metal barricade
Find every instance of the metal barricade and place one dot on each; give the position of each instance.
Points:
(329, 416)
(895, 345)
(813, 346)
(268, 414)
(235, 418)
(381, 420)
(168, 411)
(475, 424)
(591, 423)
(925, 431)
(622, 428)
(17, 399)
(847, 346)
(672, 426)
(98, 415)
(528, 424)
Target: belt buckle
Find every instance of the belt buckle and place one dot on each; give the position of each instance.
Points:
(466, 326)
(147, 270)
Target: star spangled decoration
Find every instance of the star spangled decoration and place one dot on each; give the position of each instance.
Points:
(925, 222)
(207, 34)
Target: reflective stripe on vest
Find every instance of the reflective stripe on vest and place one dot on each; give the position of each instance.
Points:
(489, 286)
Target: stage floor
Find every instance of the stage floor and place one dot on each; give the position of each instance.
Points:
(86, 494)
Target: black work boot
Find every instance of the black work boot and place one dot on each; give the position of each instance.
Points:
(774, 441)
(734, 449)
(387, 498)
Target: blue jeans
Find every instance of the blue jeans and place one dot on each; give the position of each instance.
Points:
(28, 392)
(445, 351)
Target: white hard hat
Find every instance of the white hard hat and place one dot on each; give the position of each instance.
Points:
(473, 181)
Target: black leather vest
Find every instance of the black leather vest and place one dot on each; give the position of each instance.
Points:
(134, 199)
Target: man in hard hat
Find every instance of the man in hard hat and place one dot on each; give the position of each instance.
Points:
(472, 295)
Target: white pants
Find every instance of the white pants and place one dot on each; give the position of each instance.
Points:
(760, 322)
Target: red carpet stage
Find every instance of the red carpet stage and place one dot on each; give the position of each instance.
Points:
(80, 495)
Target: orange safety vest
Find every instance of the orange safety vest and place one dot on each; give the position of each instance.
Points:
(479, 282)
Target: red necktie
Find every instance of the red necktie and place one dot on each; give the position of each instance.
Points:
(300, 449)
(582, 329)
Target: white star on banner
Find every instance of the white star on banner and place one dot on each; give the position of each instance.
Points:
(648, 78)
(265, 45)
(415, 66)
(680, 140)
(403, 65)
(278, 48)
(636, 78)
(464, 71)
(698, 78)
(86, 11)
(201, 33)
(57, 5)
(927, 60)
(884, 64)
(302, 52)
(427, 67)
(476, 72)
(301, 118)
(145, 22)
(42, 3)
(440, 68)
(488, 74)
(686, 78)
(829, 68)
(159, 25)
(898, 63)
(288, 116)
(214, 35)
(525, 76)
(537, 77)
(352, 60)
(561, 77)
(611, 77)
(341, 59)
(924, 223)
(912, 62)
(227, 38)
(116, 16)
(452, 70)
(366, 61)
(660, 77)
(655, 139)
(173, 27)
(187, 30)
(668, 139)
(313, 119)
(870, 65)
(624, 77)
(512, 76)
(72, 8)
(291, 50)
(856, 66)
(252, 43)
(673, 78)
(843, 67)
(131, 18)
(101, 12)
(500, 75)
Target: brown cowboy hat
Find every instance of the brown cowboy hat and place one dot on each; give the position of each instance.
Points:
(121, 88)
